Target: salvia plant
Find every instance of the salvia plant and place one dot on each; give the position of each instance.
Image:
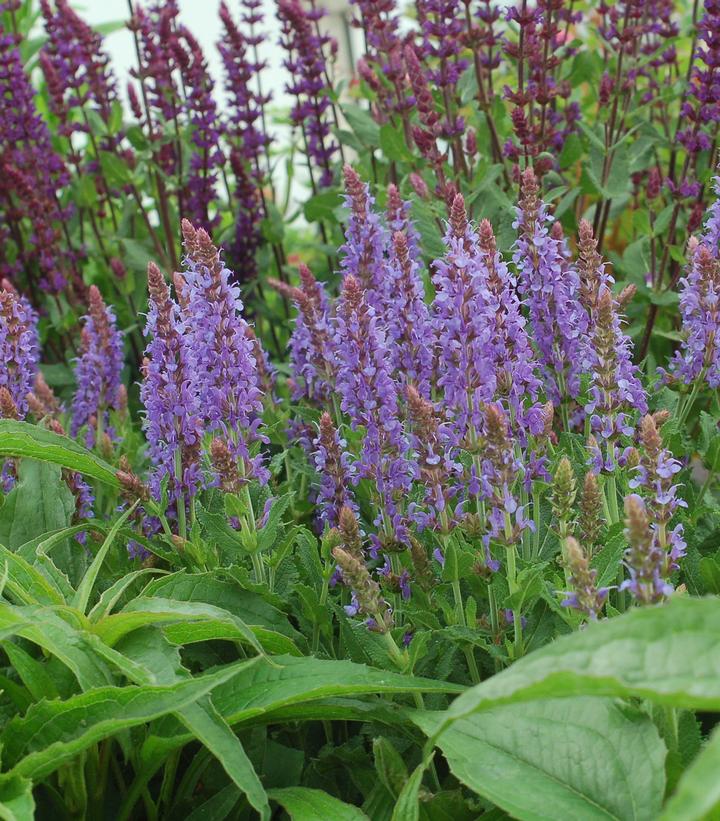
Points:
(360, 436)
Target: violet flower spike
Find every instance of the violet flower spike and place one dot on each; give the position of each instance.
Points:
(552, 290)
(222, 352)
(97, 369)
(306, 54)
(173, 420)
(369, 396)
(332, 462)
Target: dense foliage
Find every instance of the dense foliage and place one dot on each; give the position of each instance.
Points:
(361, 460)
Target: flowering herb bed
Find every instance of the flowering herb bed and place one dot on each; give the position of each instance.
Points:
(384, 490)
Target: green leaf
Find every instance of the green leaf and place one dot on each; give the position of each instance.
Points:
(144, 611)
(579, 758)
(22, 439)
(16, 799)
(305, 804)
(219, 592)
(322, 206)
(392, 143)
(664, 653)
(698, 792)
(53, 732)
(390, 766)
(268, 535)
(40, 501)
(407, 807)
(363, 125)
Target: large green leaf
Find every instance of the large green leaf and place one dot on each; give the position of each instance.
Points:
(40, 501)
(305, 804)
(667, 653)
(52, 732)
(579, 758)
(20, 439)
(698, 792)
(298, 680)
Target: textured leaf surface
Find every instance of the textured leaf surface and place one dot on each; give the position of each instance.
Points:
(579, 758)
(40, 501)
(669, 654)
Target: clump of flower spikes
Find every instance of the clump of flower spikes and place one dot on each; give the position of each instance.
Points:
(97, 369)
(201, 372)
(32, 173)
(76, 67)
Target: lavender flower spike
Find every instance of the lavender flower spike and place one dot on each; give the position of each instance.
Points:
(172, 423)
(332, 463)
(222, 351)
(97, 370)
(699, 352)
(552, 289)
(369, 396)
(366, 240)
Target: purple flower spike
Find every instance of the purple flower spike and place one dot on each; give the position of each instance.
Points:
(463, 325)
(552, 288)
(221, 350)
(369, 396)
(699, 352)
(366, 240)
(207, 156)
(173, 421)
(97, 370)
(31, 177)
(332, 462)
